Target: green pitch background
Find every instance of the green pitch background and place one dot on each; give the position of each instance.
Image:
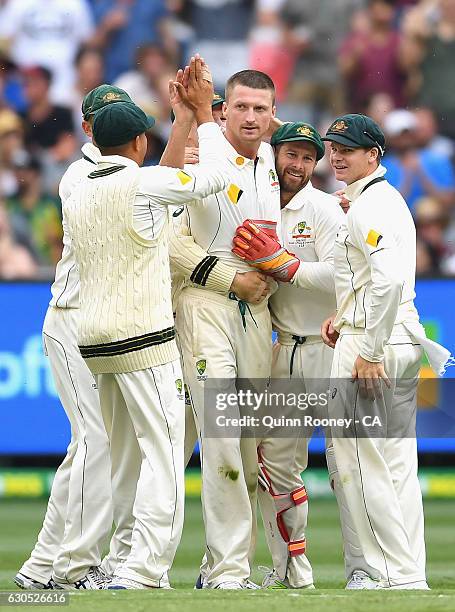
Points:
(20, 522)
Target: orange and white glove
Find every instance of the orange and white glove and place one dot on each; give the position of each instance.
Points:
(264, 252)
(269, 227)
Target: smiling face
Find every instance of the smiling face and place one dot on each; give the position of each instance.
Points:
(295, 163)
(248, 114)
(349, 164)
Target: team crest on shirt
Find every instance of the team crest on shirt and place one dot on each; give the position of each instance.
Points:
(201, 366)
(179, 387)
(273, 178)
(301, 234)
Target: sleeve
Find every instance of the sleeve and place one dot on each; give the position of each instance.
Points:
(188, 259)
(375, 238)
(320, 274)
(167, 185)
(69, 181)
(64, 188)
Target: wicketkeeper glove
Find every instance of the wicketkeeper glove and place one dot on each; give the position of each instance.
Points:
(269, 227)
(264, 252)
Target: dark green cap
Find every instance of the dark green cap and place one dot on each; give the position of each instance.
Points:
(357, 131)
(289, 132)
(217, 99)
(102, 96)
(117, 124)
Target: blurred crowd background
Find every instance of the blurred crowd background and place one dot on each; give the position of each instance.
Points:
(393, 60)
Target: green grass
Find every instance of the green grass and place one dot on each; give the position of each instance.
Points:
(20, 522)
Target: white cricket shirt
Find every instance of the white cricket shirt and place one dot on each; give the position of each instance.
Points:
(375, 258)
(309, 224)
(65, 288)
(253, 192)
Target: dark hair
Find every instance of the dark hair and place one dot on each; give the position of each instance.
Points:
(37, 71)
(83, 51)
(143, 50)
(251, 78)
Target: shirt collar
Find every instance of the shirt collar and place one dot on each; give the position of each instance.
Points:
(353, 190)
(90, 151)
(116, 160)
(237, 160)
(298, 200)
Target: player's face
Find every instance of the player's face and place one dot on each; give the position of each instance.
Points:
(248, 113)
(295, 163)
(218, 115)
(350, 165)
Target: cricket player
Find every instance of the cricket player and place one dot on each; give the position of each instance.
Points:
(310, 220)
(79, 514)
(117, 219)
(221, 337)
(378, 343)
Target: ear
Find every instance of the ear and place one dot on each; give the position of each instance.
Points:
(224, 108)
(273, 111)
(87, 128)
(374, 154)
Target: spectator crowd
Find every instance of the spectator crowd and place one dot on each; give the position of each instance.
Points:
(390, 59)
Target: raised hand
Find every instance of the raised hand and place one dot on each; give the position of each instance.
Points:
(196, 90)
(182, 111)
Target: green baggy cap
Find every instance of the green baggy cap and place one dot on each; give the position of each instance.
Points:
(289, 132)
(357, 131)
(217, 99)
(102, 96)
(117, 124)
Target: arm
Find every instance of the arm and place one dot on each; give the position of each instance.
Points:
(320, 274)
(115, 19)
(174, 153)
(207, 271)
(350, 55)
(193, 262)
(167, 186)
(386, 282)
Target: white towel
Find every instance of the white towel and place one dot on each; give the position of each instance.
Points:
(438, 356)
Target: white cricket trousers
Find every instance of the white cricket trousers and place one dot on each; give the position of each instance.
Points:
(286, 458)
(379, 475)
(216, 345)
(78, 519)
(147, 407)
